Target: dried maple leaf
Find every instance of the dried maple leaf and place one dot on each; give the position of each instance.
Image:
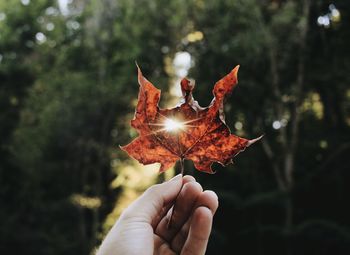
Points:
(186, 131)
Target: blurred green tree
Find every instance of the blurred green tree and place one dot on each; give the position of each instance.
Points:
(283, 70)
(81, 76)
(68, 88)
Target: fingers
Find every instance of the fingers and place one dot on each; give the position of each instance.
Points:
(196, 243)
(154, 201)
(207, 199)
(188, 178)
(182, 210)
(166, 207)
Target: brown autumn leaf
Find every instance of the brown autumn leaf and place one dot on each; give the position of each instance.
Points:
(187, 131)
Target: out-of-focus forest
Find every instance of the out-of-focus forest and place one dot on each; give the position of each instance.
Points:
(68, 89)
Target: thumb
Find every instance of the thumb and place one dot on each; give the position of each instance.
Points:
(150, 204)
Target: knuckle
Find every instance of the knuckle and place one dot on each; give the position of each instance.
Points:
(192, 185)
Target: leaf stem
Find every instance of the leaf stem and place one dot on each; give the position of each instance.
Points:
(182, 168)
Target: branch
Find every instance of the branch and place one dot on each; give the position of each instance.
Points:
(276, 169)
(295, 119)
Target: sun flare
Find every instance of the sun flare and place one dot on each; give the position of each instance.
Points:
(173, 125)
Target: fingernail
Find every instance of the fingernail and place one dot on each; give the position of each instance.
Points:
(175, 178)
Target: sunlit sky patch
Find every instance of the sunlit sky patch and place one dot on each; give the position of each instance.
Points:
(333, 16)
(63, 5)
(25, 2)
(181, 63)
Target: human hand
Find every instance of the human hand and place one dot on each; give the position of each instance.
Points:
(142, 229)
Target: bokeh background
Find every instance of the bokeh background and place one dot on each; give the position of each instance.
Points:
(68, 89)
